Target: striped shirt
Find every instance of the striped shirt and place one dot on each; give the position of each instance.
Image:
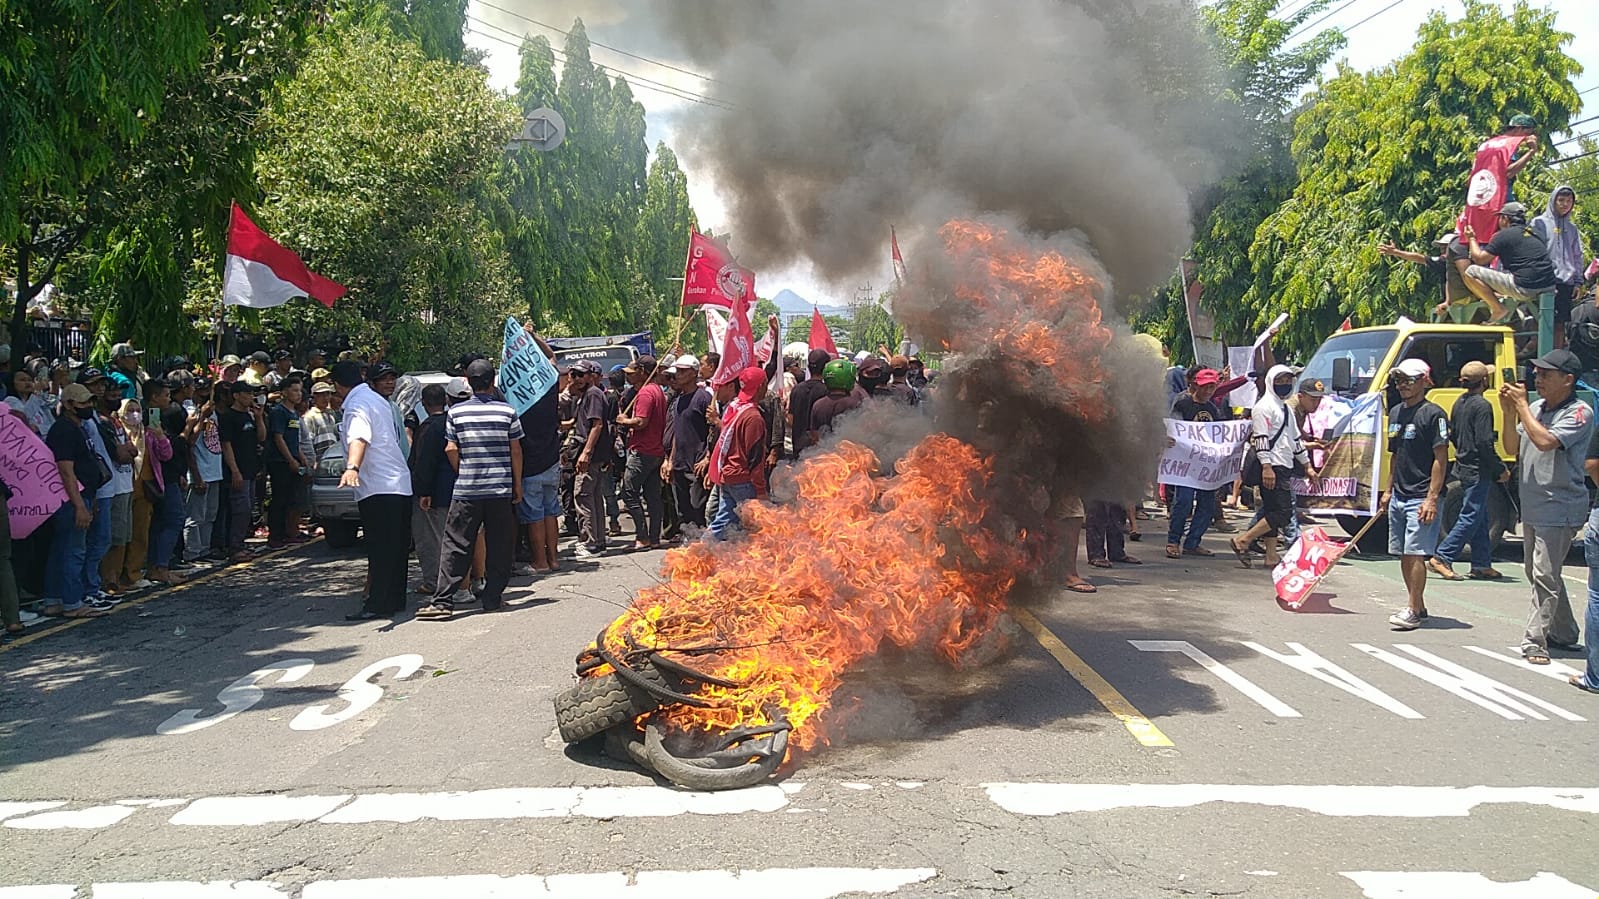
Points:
(483, 430)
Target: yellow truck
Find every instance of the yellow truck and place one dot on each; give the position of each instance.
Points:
(1354, 366)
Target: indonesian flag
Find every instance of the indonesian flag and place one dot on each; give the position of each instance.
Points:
(821, 338)
(711, 277)
(1490, 184)
(738, 344)
(262, 273)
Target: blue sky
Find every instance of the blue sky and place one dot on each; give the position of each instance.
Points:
(1387, 33)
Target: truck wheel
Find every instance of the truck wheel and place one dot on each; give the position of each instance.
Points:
(1376, 539)
(340, 534)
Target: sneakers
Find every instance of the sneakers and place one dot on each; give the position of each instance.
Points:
(1406, 620)
(479, 585)
(585, 552)
(522, 569)
(27, 617)
(102, 601)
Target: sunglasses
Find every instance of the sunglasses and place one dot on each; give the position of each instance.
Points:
(1401, 380)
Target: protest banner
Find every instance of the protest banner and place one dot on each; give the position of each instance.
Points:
(1204, 455)
(1352, 464)
(525, 374)
(29, 470)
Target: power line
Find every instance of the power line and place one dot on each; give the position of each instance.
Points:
(1370, 17)
(1577, 156)
(1312, 25)
(1574, 138)
(664, 65)
(632, 77)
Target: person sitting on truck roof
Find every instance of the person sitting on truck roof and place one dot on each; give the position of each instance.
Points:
(1443, 267)
(1523, 257)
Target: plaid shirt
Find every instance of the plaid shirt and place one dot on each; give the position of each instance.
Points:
(318, 431)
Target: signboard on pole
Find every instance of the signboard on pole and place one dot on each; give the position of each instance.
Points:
(1208, 351)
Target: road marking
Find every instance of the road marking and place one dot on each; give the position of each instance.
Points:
(1318, 667)
(236, 697)
(1557, 670)
(91, 818)
(20, 642)
(245, 811)
(791, 883)
(1049, 799)
(1142, 729)
(1463, 885)
(1505, 701)
(1238, 682)
(13, 809)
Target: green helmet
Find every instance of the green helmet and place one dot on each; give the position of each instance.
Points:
(839, 375)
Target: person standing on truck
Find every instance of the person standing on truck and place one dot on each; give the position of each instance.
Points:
(1477, 466)
(1552, 438)
(1418, 438)
(1523, 257)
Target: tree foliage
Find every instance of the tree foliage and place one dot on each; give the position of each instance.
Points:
(1385, 155)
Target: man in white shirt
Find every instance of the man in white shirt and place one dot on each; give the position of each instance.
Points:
(1274, 436)
(375, 468)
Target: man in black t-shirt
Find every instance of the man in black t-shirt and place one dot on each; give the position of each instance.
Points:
(1525, 270)
(540, 508)
(804, 396)
(242, 428)
(285, 466)
(1184, 532)
(590, 432)
(688, 431)
(1418, 438)
(1477, 467)
(71, 558)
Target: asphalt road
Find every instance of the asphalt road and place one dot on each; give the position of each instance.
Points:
(1176, 734)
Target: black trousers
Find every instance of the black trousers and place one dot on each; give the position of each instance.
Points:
(641, 494)
(386, 519)
(496, 518)
(283, 480)
(688, 492)
(1104, 530)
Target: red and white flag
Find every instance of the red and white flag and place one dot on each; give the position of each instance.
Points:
(1305, 564)
(716, 331)
(711, 277)
(1490, 184)
(738, 344)
(262, 273)
(821, 338)
(899, 261)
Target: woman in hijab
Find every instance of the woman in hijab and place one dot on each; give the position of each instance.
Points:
(1559, 231)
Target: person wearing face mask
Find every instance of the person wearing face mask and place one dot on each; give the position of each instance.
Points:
(1477, 466)
(1418, 438)
(1274, 436)
(73, 555)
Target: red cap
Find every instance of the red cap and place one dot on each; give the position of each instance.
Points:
(750, 380)
(1206, 377)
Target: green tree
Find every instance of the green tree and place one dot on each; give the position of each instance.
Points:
(871, 326)
(375, 165)
(1384, 156)
(660, 245)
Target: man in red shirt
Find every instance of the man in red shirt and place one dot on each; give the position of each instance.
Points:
(738, 457)
(641, 480)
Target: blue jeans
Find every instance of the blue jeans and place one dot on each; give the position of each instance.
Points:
(1590, 628)
(1471, 529)
(1185, 501)
(97, 544)
(71, 561)
(726, 518)
(166, 524)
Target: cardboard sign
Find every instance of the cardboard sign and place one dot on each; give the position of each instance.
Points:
(1205, 455)
(29, 470)
(525, 374)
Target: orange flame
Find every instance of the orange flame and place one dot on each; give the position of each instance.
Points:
(858, 558)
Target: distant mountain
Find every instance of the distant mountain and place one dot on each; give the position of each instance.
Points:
(791, 303)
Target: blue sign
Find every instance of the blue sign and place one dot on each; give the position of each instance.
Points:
(525, 374)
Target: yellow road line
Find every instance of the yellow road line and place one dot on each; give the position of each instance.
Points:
(124, 606)
(1142, 729)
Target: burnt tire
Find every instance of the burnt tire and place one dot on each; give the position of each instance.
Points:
(692, 773)
(597, 704)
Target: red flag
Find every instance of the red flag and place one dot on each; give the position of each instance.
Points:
(899, 261)
(1347, 325)
(711, 277)
(738, 346)
(1305, 564)
(821, 338)
(261, 273)
(1490, 184)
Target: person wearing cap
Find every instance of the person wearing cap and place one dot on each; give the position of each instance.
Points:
(1193, 510)
(255, 372)
(123, 371)
(287, 468)
(1567, 252)
(688, 433)
(871, 375)
(1274, 436)
(646, 451)
(738, 454)
(202, 501)
(78, 541)
(432, 478)
(483, 441)
(316, 360)
(594, 451)
(1418, 442)
(229, 368)
(1447, 267)
(1477, 467)
(899, 386)
(375, 468)
(242, 428)
(1525, 270)
(1551, 443)
(319, 426)
(803, 398)
(282, 363)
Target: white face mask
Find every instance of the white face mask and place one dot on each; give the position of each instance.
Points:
(134, 418)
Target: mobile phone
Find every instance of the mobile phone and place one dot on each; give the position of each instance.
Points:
(1509, 374)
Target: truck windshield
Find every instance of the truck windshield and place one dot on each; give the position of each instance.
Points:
(1365, 350)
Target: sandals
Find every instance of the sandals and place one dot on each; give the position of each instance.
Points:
(1242, 553)
(17, 628)
(79, 612)
(1099, 563)
(1198, 551)
(1082, 586)
(435, 612)
(1173, 551)
(1532, 655)
(1485, 574)
(1127, 560)
(1581, 682)
(1438, 567)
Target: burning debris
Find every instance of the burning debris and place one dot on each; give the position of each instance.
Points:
(717, 674)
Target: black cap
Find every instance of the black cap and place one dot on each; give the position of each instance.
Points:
(260, 356)
(1564, 361)
(281, 354)
(381, 370)
(480, 369)
(818, 358)
(90, 374)
(870, 363)
(644, 363)
(242, 387)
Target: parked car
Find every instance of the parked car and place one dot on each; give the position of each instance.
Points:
(334, 506)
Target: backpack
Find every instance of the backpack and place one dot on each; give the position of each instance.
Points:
(1582, 334)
